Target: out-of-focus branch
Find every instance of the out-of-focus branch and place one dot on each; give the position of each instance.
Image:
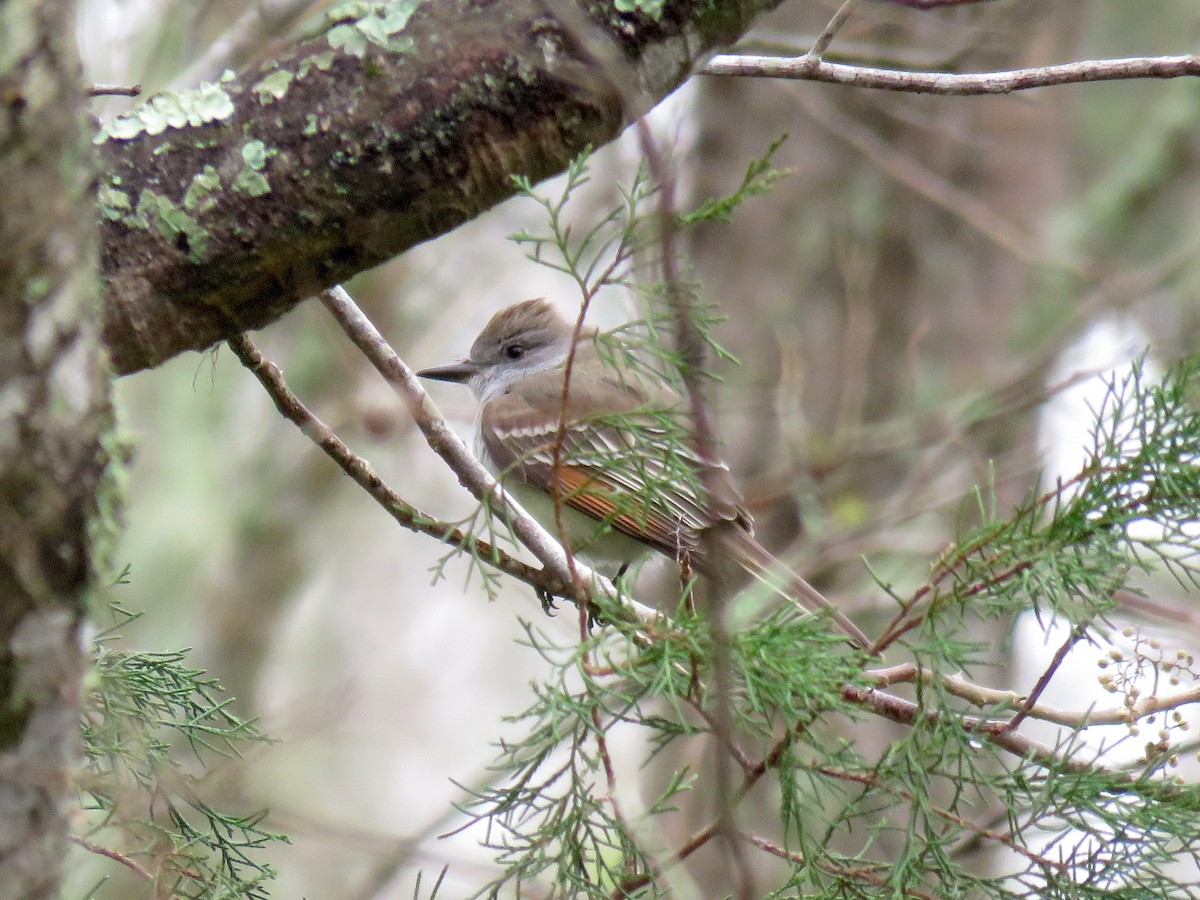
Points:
(934, 4)
(813, 68)
(244, 39)
(1182, 613)
(914, 175)
(114, 90)
(691, 349)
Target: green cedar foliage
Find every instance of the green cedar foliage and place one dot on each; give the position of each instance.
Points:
(152, 727)
(1065, 819)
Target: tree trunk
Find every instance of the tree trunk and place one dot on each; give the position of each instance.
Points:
(54, 411)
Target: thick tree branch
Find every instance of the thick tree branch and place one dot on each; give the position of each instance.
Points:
(224, 207)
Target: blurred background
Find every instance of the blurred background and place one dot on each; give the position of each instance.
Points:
(924, 298)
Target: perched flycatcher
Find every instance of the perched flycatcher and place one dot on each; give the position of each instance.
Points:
(623, 476)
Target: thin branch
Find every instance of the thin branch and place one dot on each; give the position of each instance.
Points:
(100, 850)
(1043, 682)
(981, 696)
(114, 90)
(1117, 715)
(360, 471)
(906, 712)
(635, 882)
(825, 38)
(808, 68)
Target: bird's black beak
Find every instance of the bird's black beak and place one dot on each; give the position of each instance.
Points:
(458, 372)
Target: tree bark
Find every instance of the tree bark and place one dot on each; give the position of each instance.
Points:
(224, 207)
(54, 408)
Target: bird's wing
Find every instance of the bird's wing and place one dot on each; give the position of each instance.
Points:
(628, 466)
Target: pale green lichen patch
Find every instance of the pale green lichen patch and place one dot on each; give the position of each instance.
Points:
(199, 196)
(347, 39)
(251, 179)
(114, 203)
(273, 87)
(158, 212)
(320, 61)
(208, 103)
(361, 23)
(253, 183)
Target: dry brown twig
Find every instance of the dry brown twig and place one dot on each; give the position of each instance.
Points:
(363, 474)
(123, 858)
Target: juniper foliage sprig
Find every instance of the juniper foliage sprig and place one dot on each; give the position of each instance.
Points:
(150, 721)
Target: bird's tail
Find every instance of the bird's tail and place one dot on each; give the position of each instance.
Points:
(760, 563)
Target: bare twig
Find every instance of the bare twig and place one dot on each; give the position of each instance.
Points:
(825, 38)
(906, 712)
(1043, 682)
(982, 696)
(129, 862)
(114, 90)
(809, 68)
(360, 471)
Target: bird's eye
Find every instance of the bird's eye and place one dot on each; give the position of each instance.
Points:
(514, 351)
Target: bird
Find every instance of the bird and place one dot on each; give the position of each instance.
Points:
(623, 477)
